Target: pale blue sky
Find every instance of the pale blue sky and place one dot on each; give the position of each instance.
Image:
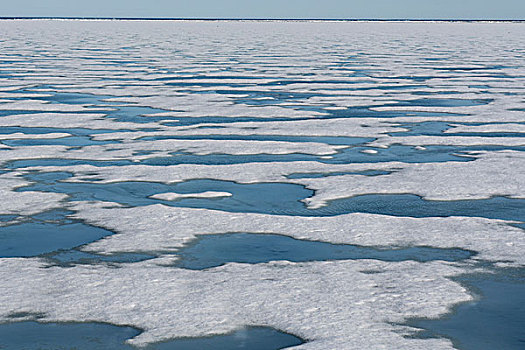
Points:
(438, 9)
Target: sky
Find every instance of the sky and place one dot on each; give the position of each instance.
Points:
(379, 9)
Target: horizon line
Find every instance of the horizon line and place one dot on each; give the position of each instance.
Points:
(255, 19)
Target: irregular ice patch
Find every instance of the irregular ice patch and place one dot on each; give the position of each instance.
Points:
(27, 203)
(44, 106)
(233, 147)
(326, 303)
(492, 174)
(449, 140)
(70, 120)
(19, 136)
(488, 128)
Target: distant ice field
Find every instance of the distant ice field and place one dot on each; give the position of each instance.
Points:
(308, 185)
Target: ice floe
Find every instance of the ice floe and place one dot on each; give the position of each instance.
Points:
(258, 94)
(328, 304)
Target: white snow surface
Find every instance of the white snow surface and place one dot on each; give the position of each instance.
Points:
(329, 303)
(27, 202)
(492, 174)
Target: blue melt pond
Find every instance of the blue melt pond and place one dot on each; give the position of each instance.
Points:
(216, 250)
(98, 336)
(495, 321)
(73, 141)
(72, 257)
(274, 198)
(46, 233)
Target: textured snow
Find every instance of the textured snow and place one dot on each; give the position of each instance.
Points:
(238, 147)
(67, 120)
(36, 105)
(328, 303)
(449, 140)
(492, 174)
(19, 135)
(25, 203)
(488, 128)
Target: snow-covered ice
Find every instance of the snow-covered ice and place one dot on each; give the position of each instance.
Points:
(274, 99)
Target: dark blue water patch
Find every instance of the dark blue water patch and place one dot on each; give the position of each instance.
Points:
(395, 87)
(442, 102)
(70, 97)
(279, 199)
(485, 134)
(400, 153)
(326, 114)
(215, 250)
(225, 159)
(363, 112)
(48, 178)
(136, 114)
(260, 197)
(73, 257)
(73, 141)
(24, 163)
(120, 112)
(480, 87)
(249, 338)
(319, 175)
(435, 92)
(276, 97)
(316, 81)
(207, 77)
(73, 131)
(397, 153)
(414, 206)
(496, 320)
(430, 77)
(87, 110)
(32, 239)
(7, 217)
(46, 233)
(181, 120)
(331, 140)
(8, 112)
(423, 128)
(32, 335)
(410, 154)
(57, 216)
(207, 84)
